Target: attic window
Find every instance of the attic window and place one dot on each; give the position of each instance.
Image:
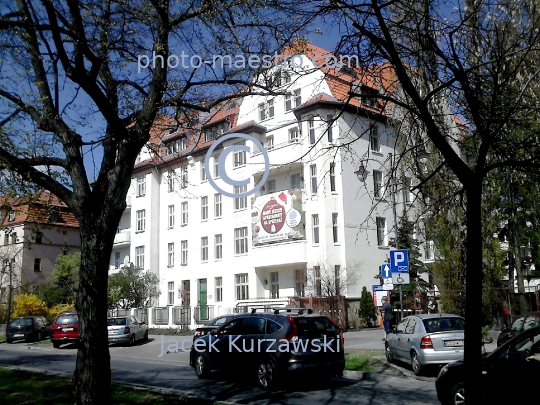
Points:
(11, 216)
(53, 215)
(232, 105)
(369, 97)
(349, 71)
(171, 130)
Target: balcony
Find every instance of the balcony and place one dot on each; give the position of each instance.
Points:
(122, 238)
(279, 253)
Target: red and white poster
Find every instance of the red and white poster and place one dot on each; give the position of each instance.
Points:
(277, 217)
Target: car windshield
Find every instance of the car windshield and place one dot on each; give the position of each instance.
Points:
(22, 322)
(116, 321)
(67, 319)
(443, 324)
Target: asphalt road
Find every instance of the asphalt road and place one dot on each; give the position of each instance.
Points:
(170, 372)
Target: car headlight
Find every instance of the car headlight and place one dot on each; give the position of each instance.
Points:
(442, 372)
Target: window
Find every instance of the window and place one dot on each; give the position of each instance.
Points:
(269, 143)
(297, 97)
(333, 176)
(184, 247)
(116, 260)
(184, 176)
(311, 130)
(186, 293)
(266, 110)
(288, 102)
(204, 249)
(313, 169)
(217, 205)
(274, 284)
(270, 106)
(374, 140)
(37, 265)
(295, 180)
(170, 181)
(6, 238)
(141, 186)
(369, 97)
(219, 289)
(141, 220)
(209, 134)
(170, 223)
(407, 195)
(218, 243)
(39, 237)
(294, 135)
(11, 216)
(216, 168)
(270, 186)
(335, 227)
(262, 112)
(377, 183)
(337, 277)
(14, 238)
(204, 208)
(184, 209)
(139, 257)
(182, 143)
(381, 231)
(242, 288)
(315, 222)
(53, 214)
(329, 121)
(239, 156)
(430, 250)
(317, 277)
(170, 254)
(203, 171)
(170, 295)
(300, 279)
(240, 240)
(241, 202)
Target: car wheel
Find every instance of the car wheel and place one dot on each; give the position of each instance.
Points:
(56, 345)
(457, 395)
(267, 374)
(416, 366)
(132, 340)
(389, 357)
(9, 340)
(202, 368)
(145, 336)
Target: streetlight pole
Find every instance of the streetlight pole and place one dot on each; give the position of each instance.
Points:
(394, 210)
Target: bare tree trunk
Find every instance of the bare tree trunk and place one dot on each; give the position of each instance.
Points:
(473, 290)
(93, 368)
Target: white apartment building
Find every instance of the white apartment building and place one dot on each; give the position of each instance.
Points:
(313, 216)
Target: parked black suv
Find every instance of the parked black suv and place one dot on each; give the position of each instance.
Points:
(28, 328)
(267, 346)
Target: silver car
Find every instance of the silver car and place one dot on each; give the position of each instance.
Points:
(126, 329)
(426, 339)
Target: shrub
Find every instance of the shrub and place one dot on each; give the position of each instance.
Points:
(367, 308)
(58, 309)
(29, 304)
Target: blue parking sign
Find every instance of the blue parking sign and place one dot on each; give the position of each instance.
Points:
(399, 261)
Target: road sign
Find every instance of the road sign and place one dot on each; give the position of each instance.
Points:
(387, 284)
(400, 278)
(399, 261)
(385, 271)
(377, 295)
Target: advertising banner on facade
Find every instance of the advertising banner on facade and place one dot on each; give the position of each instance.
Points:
(277, 217)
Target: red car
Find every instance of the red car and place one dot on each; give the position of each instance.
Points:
(65, 329)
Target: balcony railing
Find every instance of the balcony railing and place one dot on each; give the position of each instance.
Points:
(203, 313)
(122, 237)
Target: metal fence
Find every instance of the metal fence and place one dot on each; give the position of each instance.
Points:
(142, 314)
(119, 312)
(182, 316)
(203, 313)
(160, 316)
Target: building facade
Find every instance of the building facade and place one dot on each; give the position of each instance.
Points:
(34, 230)
(315, 227)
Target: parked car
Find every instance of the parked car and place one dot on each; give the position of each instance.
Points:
(213, 324)
(509, 373)
(28, 328)
(426, 339)
(65, 329)
(521, 324)
(126, 329)
(269, 346)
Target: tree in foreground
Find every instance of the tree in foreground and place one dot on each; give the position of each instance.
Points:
(84, 84)
(476, 60)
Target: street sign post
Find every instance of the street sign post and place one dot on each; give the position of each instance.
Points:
(399, 267)
(386, 275)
